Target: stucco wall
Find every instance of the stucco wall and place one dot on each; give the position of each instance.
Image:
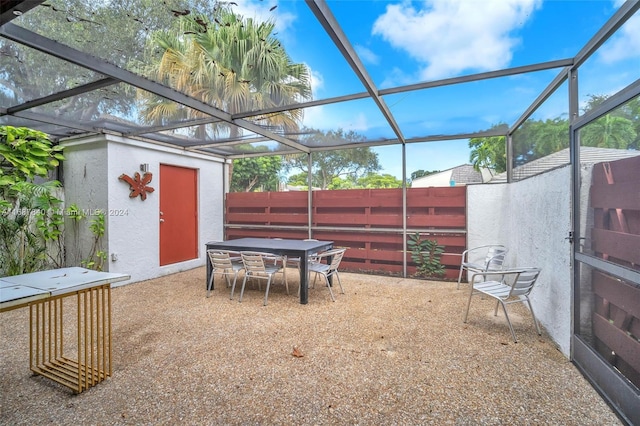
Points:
(133, 231)
(435, 179)
(532, 218)
(85, 173)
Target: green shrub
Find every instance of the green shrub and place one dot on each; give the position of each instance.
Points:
(30, 216)
(426, 255)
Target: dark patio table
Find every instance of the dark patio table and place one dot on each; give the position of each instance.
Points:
(283, 247)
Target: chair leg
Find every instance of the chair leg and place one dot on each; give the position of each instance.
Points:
(233, 287)
(535, 321)
(495, 311)
(513, 333)
(284, 276)
(339, 282)
(329, 287)
(459, 277)
(266, 293)
(226, 275)
(466, 314)
(244, 281)
(210, 284)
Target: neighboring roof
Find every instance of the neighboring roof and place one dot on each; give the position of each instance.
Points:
(588, 155)
(459, 175)
(466, 174)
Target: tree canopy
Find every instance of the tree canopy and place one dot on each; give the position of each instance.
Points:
(230, 62)
(374, 180)
(488, 152)
(352, 163)
(619, 129)
(256, 173)
(115, 31)
(422, 173)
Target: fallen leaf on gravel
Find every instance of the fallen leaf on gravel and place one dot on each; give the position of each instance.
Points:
(297, 352)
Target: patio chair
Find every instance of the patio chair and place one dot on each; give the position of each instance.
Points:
(294, 262)
(330, 269)
(274, 259)
(227, 263)
(262, 266)
(514, 286)
(485, 258)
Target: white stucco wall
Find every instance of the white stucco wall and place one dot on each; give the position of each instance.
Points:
(435, 179)
(133, 227)
(532, 218)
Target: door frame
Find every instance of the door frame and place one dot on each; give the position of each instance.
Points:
(197, 213)
(619, 393)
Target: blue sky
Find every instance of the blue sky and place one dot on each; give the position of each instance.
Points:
(402, 42)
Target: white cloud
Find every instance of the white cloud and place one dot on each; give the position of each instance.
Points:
(261, 11)
(362, 118)
(397, 77)
(366, 55)
(322, 118)
(317, 82)
(624, 44)
(317, 118)
(450, 36)
(357, 123)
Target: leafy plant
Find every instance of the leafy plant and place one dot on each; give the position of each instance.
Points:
(426, 255)
(30, 217)
(20, 248)
(97, 257)
(24, 154)
(74, 213)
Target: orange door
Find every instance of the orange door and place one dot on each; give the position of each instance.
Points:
(178, 214)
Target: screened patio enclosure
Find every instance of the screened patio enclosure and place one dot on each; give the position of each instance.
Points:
(236, 80)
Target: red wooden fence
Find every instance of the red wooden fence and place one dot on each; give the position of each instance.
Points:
(615, 199)
(366, 221)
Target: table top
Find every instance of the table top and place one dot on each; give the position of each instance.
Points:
(23, 289)
(268, 244)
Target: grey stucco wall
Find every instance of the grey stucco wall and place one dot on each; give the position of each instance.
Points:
(85, 176)
(532, 218)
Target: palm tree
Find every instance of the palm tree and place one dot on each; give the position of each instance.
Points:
(609, 131)
(489, 152)
(618, 129)
(549, 136)
(233, 64)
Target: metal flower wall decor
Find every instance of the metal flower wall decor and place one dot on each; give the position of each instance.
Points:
(139, 184)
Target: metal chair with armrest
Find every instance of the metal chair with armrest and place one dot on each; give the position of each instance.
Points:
(262, 266)
(329, 269)
(225, 262)
(484, 258)
(514, 286)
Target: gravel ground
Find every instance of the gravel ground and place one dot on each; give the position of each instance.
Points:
(389, 351)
